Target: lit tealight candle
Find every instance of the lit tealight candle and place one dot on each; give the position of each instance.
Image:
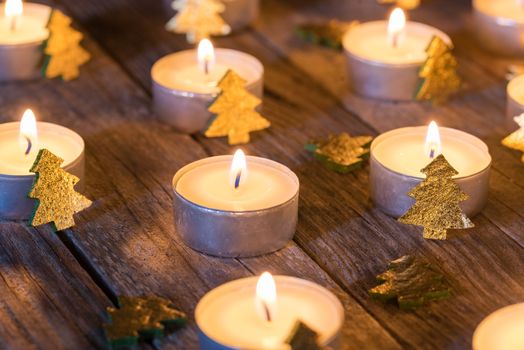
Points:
(384, 57)
(185, 83)
(235, 206)
(22, 33)
(499, 25)
(502, 330)
(398, 156)
(19, 146)
(259, 313)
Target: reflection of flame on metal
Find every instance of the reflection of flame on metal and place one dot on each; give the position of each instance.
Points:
(396, 27)
(28, 135)
(266, 296)
(12, 10)
(206, 55)
(433, 145)
(238, 171)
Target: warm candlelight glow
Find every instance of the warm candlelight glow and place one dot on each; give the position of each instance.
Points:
(238, 171)
(396, 27)
(13, 9)
(266, 296)
(206, 55)
(28, 132)
(433, 146)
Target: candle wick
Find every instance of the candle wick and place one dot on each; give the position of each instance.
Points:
(432, 153)
(206, 66)
(237, 180)
(13, 23)
(29, 145)
(268, 313)
(394, 40)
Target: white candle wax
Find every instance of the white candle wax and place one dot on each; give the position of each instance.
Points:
(30, 26)
(502, 330)
(504, 9)
(402, 151)
(266, 185)
(61, 141)
(369, 41)
(228, 314)
(515, 89)
(182, 72)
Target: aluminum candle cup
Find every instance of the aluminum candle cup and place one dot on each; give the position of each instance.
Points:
(395, 164)
(182, 92)
(213, 217)
(228, 319)
(21, 49)
(238, 14)
(502, 330)
(514, 100)
(378, 70)
(15, 178)
(499, 26)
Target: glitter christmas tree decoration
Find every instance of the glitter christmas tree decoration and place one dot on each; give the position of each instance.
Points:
(141, 319)
(410, 282)
(437, 201)
(198, 19)
(303, 338)
(438, 76)
(341, 153)
(63, 53)
(53, 188)
(235, 111)
(516, 139)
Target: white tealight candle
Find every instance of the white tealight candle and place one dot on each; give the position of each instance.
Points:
(19, 145)
(398, 156)
(22, 33)
(502, 330)
(185, 83)
(229, 206)
(384, 57)
(499, 25)
(237, 315)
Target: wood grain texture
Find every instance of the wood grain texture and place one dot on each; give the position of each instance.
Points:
(48, 301)
(306, 97)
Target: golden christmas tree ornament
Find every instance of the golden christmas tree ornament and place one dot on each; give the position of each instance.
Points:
(516, 139)
(141, 319)
(405, 4)
(63, 53)
(53, 188)
(438, 75)
(235, 111)
(437, 201)
(342, 153)
(198, 19)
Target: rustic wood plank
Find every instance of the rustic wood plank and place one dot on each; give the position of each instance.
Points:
(337, 226)
(48, 301)
(126, 240)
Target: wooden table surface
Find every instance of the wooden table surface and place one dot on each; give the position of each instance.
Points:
(55, 287)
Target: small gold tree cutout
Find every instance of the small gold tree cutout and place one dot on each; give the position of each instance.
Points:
(437, 201)
(235, 111)
(198, 19)
(53, 187)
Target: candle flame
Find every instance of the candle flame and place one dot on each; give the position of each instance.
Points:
(28, 136)
(13, 8)
(266, 296)
(238, 170)
(396, 27)
(206, 55)
(433, 145)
